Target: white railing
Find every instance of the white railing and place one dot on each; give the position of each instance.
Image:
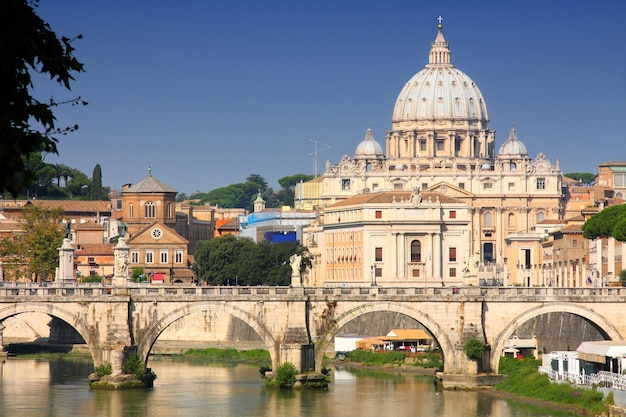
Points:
(601, 379)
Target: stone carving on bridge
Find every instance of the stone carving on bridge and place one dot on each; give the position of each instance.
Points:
(120, 252)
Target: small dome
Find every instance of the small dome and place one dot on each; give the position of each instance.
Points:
(513, 146)
(368, 148)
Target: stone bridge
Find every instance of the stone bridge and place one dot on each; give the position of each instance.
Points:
(297, 324)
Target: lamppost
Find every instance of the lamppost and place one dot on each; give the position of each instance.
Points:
(373, 275)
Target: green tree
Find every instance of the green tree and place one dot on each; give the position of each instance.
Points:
(258, 180)
(610, 222)
(95, 186)
(36, 249)
(229, 260)
(27, 45)
(584, 177)
(474, 349)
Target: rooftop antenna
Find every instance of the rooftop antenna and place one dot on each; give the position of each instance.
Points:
(318, 144)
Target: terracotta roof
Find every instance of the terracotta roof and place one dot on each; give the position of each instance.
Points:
(386, 197)
(87, 226)
(407, 334)
(75, 206)
(552, 221)
(94, 249)
(149, 185)
(614, 164)
(572, 228)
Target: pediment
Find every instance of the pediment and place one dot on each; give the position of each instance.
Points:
(157, 233)
(448, 189)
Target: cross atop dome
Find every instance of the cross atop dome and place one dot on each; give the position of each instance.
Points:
(440, 20)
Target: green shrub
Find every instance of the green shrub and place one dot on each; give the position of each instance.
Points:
(622, 275)
(379, 358)
(133, 366)
(474, 349)
(285, 375)
(104, 369)
(91, 278)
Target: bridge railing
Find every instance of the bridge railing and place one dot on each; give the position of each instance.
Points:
(13, 289)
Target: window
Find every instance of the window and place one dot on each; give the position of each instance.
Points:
(452, 272)
(453, 214)
(416, 273)
(513, 166)
(149, 256)
(488, 219)
(487, 185)
(540, 217)
(164, 256)
(131, 210)
(422, 145)
(619, 180)
(150, 210)
(118, 204)
(398, 186)
(375, 186)
(511, 186)
(134, 257)
(575, 243)
(345, 184)
(168, 210)
(440, 145)
(416, 251)
(424, 186)
(378, 254)
(541, 183)
(511, 222)
(178, 256)
(378, 273)
(452, 254)
(462, 185)
(379, 214)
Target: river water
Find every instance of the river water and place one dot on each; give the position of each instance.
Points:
(59, 388)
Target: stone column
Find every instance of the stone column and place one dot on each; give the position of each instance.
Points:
(66, 263)
(120, 253)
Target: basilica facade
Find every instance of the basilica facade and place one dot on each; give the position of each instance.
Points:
(440, 145)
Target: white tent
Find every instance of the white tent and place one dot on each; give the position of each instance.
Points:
(598, 351)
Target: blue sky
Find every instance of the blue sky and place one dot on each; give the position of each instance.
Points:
(209, 92)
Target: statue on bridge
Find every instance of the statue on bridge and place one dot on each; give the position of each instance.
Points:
(296, 278)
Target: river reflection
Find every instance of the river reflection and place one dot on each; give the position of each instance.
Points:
(60, 388)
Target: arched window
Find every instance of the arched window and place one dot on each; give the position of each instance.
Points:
(540, 217)
(150, 210)
(416, 251)
(131, 210)
(488, 219)
(513, 166)
(511, 221)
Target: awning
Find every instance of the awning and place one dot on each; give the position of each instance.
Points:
(598, 351)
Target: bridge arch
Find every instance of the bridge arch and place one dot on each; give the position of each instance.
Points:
(446, 346)
(155, 329)
(498, 343)
(67, 316)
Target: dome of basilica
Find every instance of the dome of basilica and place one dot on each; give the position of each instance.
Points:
(369, 148)
(440, 90)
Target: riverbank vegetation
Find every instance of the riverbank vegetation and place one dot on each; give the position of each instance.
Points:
(386, 358)
(524, 379)
(224, 356)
